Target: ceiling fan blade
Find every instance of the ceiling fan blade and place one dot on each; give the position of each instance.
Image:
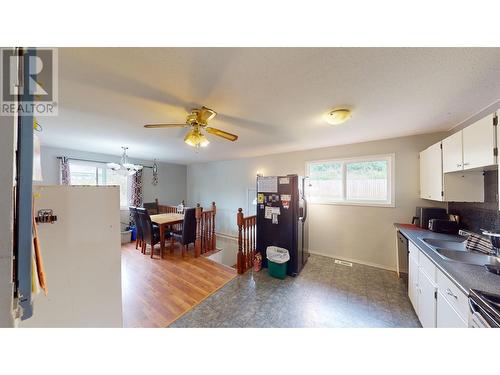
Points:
(155, 126)
(206, 114)
(222, 134)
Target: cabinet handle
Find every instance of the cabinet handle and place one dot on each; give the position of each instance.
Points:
(459, 165)
(450, 293)
(466, 164)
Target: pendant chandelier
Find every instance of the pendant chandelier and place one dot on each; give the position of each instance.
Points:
(124, 168)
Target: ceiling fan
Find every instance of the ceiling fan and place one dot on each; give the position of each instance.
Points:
(197, 120)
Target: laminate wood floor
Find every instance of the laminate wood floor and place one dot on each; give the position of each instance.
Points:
(158, 291)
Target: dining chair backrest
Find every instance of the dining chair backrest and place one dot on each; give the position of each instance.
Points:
(137, 221)
(146, 224)
(189, 226)
(152, 207)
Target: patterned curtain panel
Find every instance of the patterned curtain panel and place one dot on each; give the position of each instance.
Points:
(65, 175)
(135, 192)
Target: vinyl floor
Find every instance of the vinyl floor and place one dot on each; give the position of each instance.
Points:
(325, 294)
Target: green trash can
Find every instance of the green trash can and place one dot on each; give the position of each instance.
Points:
(277, 260)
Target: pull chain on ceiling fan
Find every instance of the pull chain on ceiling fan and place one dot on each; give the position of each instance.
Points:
(197, 120)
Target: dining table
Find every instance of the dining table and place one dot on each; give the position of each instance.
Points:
(164, 221)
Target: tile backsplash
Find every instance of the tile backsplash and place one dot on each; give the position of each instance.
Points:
(474, 216)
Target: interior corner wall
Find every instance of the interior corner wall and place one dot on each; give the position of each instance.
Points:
(6, 219)
(171, 188)
(357, 233)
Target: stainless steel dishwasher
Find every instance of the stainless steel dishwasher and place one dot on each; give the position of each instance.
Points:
(402, 257)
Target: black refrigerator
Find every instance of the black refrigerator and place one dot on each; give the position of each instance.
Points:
(282, 218)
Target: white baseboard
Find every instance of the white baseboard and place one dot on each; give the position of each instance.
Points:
(353, 260)
(230, 237)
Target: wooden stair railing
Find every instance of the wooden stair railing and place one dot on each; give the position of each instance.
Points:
(247, 241)
(166, 209)
(205, 230)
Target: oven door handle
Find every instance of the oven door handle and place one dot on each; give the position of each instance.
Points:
(472, 306)
(478, 312)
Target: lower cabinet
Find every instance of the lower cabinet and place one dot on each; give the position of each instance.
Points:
(422, 287)
(435, 298)
(413, 282)
(426, 300)
(446, 316)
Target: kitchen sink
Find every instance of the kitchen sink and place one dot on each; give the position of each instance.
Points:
(457, 245)
(468, 257)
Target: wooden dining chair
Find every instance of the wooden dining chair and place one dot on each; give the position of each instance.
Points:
(152, 207)
(187, 234)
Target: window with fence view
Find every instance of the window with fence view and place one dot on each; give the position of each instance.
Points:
(361, 180)
(97, 174)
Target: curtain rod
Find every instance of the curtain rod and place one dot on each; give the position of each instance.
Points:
(97, 161)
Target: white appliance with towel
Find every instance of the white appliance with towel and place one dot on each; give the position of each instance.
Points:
(81, 253)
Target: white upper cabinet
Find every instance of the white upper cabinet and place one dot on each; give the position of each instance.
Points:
(431, 173)
(479, 143)
(452, 153)
(473, 147)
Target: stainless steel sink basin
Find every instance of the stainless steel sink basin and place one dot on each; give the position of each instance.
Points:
(468, 257)
(458, 245)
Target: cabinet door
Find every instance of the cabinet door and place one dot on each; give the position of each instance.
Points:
(431, 173)
(446, 316)
(413, 283)
(479, 143)
(424, 180)
(435, 172)
(452, 153)
(426, 300)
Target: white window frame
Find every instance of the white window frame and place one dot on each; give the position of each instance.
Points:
(96, 165)
(391, 181)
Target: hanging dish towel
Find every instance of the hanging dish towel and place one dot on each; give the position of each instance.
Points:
(38, 259)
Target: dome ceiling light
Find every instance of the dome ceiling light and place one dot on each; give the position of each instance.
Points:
(338, 116)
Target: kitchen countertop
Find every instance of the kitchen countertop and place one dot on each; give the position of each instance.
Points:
(465, 276)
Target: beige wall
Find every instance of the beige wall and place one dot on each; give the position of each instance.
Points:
(171, 186)
(362, 234)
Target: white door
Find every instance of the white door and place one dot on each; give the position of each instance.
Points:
(446, 316)
(479, 143)
(82, 258)
(426, 300)
(413, 282)
(452, 153)
(424, 181)
(431, 173)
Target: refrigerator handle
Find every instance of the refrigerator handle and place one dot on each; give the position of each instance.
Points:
(304, 214)
(304, 209)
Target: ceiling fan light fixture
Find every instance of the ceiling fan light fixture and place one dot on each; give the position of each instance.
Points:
(338, 116)
(196, 139)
